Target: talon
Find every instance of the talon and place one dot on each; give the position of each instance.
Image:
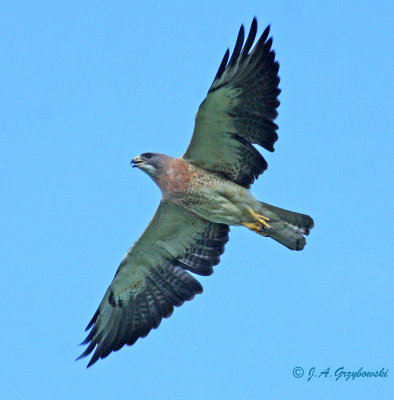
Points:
(263, 222)
(255, 227)
(260, 218)
(260, 224)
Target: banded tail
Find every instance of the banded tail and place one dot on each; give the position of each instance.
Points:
(287, 227)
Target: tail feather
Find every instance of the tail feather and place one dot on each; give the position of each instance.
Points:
(287, 227)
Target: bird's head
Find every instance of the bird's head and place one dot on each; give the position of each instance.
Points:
(151, 163)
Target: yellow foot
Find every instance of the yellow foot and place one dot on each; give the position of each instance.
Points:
(259, 225)
(258, 228)
(260, 218)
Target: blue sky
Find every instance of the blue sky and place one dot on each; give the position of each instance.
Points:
(88, 85)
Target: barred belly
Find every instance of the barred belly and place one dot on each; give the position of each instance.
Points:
(207, 194)
(220, 201)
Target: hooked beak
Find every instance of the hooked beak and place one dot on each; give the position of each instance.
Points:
(136, 161)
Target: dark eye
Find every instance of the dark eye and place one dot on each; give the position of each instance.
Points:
(148, 155)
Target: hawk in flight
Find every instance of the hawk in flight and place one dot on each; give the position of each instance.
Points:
(203, 193)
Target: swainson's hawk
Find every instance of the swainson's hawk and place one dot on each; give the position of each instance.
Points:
(203, 192)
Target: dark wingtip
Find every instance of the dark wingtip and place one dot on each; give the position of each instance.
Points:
(266, 31)
(268, 44)
(223, 65)
(92, 361)
(238, 46)
(250, 40)
(93, 320)
(253, 25)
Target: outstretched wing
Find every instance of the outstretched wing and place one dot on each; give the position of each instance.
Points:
(151, 279)
(239, 111)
